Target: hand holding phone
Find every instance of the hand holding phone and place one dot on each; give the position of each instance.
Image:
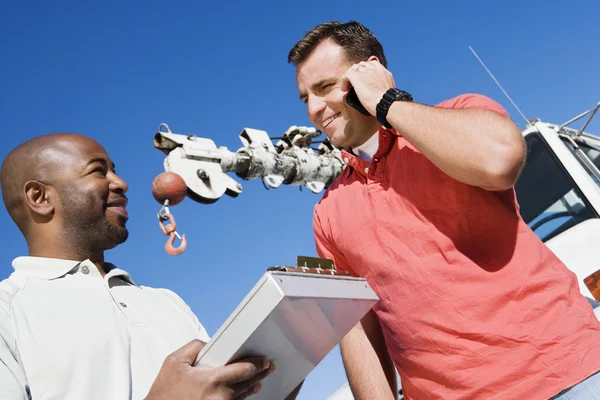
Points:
(352, 100)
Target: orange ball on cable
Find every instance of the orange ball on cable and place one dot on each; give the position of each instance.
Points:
(169, 186)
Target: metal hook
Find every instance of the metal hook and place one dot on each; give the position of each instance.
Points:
(164, 210)
(168, 228)
(172, 250)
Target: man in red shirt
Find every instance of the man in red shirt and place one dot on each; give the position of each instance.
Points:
(473, 305)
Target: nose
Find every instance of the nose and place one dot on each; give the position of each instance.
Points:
(117, 184)
(316, 105)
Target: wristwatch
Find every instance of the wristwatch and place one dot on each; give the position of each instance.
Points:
(392, 95)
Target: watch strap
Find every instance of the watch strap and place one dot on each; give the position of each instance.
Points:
(389, 97)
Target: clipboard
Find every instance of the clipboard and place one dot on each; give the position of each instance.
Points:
(294, 316)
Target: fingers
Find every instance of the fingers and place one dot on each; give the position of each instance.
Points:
(253, 390)
(187, 354)
(370, 80)
(345, 84)
(243, 370)
(357, 67)
(352, 74)
(363, 66)
(252, 383)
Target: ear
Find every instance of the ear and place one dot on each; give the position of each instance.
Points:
(373, 58)
(38, 198)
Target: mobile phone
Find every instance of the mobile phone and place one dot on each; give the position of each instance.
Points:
(352, 100)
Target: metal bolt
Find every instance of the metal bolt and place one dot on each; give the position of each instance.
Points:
(202, 174)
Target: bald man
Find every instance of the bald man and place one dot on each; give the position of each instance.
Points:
(73, 326)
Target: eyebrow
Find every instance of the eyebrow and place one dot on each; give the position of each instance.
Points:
(317, 85)
(100, 160)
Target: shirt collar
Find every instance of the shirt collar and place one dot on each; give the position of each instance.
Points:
(367, 150)
(53, 268)
(386, 139)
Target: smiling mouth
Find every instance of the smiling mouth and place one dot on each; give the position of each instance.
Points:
(118, 206)
(330, 120)
(121, 210)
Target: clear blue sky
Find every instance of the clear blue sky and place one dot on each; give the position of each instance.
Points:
(116, 70)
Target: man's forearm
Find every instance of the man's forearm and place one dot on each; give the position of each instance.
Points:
(475, 146)
(369, 368)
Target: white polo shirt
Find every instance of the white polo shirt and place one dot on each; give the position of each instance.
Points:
(68, 333)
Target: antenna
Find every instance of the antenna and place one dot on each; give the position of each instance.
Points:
(500, 86)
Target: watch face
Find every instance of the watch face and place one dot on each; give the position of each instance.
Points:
(404, 96)
(394, 94)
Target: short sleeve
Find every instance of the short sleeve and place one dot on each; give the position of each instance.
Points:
(465, 101)
(13, 382)
(472, 100)
(202, 333)
(325, 247)
(11, 376)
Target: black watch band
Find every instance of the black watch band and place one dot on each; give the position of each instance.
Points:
(392, 95)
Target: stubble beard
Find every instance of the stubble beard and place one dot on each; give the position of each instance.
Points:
(91, 231)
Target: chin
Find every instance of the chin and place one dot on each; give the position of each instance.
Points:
(339, 141)
(117, 234)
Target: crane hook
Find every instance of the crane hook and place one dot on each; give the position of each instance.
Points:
(169, 229)
(171, 249)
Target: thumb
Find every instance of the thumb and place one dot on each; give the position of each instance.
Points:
(187, 354)
(345, 84)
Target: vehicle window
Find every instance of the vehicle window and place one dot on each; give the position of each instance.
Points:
(549, 200)
(585, 155)
(592, 154)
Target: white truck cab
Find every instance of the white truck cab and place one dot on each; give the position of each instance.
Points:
(559, 194)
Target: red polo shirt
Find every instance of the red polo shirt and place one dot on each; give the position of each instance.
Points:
(473, 305)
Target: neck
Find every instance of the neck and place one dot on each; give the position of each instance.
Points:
(65, 250)
(373, 130)
(367, 150)
(372, 127)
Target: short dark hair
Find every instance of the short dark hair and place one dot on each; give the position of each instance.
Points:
(358, 42)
